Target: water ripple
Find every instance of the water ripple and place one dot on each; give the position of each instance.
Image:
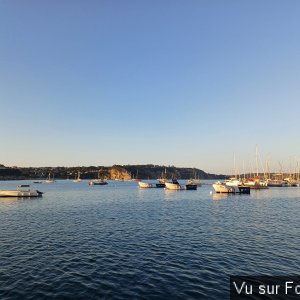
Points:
(119, 242)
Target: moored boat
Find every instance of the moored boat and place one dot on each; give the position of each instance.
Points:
(275, 183)
(97, 182)
(77, 179)
(50, 178)
(256, 183)
(222, 187)
(194, 181)
(20, 193)
(145, 184)
(191, 186)
(160, 185)
(174, 185)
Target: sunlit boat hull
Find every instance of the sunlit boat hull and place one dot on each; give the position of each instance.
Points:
(16, 193)
(173, 186)
(223, 188)
(145, 185)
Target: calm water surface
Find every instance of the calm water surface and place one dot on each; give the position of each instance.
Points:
(121, 242)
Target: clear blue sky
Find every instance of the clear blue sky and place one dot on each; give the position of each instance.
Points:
(184, 83)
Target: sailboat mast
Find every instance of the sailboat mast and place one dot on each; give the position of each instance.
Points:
(256, 158)
(234, 166)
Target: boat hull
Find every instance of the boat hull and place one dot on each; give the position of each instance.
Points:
(18, 194)
(145, 185)
(96, 182)
(191, 186)
(223, 188)
(160, 185)
(173, 186)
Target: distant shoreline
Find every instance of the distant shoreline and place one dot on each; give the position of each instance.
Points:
(119, 172)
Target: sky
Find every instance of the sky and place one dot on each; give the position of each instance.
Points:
(184, 83)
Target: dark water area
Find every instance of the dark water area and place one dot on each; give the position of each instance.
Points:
(122, 242)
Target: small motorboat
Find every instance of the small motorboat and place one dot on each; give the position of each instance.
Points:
(174, 185)
(20, 193)
(222, 187)
(23, 185)
(145, 185)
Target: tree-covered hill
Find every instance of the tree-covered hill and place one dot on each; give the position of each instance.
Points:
(123, 172)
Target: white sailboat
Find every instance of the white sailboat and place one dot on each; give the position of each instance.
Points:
(50, 179)
(77, 179)
(99, 181)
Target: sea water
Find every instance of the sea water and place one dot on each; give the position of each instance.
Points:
(122, 242)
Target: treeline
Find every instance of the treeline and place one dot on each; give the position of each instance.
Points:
(122, 172)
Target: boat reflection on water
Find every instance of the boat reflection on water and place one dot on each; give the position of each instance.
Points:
(220, 196)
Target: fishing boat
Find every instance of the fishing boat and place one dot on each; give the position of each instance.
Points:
(145, 185)
(77, 179)
(20, 193)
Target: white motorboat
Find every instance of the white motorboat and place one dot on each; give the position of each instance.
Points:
(174, 185)
(145, 185)
(233, 182)
(222, 187)
(20, 193)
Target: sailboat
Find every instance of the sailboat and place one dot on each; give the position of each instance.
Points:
(50, 179)
(194, 181)
(162, 180)
(136, 179)
(77, 179)
(99, 181)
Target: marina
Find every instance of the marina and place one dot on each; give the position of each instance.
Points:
(127, 242)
